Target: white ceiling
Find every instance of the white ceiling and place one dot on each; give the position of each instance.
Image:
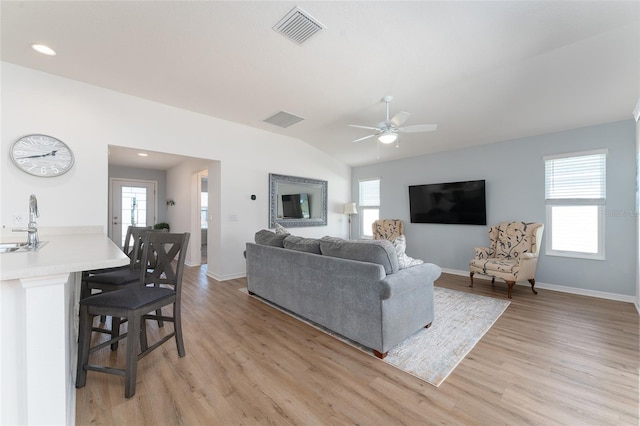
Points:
(483, 71)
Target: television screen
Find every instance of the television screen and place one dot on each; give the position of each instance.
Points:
(296, 206)
(452, 203)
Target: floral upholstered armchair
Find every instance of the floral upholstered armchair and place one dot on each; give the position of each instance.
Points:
(387, 229)
(512, 254)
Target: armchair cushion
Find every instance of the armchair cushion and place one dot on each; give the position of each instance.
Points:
(491, 266)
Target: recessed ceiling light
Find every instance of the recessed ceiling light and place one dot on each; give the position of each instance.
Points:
(143, 154)
(45, 50)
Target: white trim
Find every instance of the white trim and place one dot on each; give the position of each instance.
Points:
(576, 154)
(560, 288)
(636, 111)
(221, 278)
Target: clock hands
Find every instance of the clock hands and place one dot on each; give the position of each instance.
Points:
(52, 153)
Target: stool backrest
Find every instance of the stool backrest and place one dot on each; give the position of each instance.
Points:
(133, 244)
(164, 254)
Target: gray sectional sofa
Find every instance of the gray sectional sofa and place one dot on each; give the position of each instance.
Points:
(354, 288)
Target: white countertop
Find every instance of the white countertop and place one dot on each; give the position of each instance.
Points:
(63, 253)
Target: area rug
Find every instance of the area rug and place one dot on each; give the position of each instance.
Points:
(431, 354)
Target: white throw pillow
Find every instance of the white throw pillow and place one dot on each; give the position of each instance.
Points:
(281, 229)
(404, 261)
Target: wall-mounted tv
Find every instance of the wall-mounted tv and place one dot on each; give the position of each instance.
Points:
(452, 203)
(296, 206)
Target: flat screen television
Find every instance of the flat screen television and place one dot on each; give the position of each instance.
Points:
(296, 206)
(451, 203)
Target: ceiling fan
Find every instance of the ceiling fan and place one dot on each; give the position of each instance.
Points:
(387, 131)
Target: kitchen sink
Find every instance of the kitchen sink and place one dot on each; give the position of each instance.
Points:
(20, 247)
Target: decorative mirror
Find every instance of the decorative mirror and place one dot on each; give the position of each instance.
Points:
(297, 201)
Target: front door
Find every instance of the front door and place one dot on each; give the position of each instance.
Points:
(132, 202)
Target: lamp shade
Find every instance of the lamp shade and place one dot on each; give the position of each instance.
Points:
(350, 208)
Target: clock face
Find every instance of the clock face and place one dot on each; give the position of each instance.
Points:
(41, 155)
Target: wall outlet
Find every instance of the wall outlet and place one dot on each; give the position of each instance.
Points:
(17, 219)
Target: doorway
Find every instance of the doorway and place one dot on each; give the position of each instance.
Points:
(204, 214)
(131, 202)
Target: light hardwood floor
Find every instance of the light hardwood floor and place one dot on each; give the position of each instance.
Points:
(553, 358)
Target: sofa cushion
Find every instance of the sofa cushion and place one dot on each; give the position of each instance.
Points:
(268, 238)
(307, 245)
(380, 252)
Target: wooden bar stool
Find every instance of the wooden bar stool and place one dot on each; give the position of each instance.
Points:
(157, 287)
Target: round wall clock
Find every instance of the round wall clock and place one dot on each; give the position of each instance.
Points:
(41, 155)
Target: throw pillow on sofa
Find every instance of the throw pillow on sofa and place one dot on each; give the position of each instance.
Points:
(281, 229)
(268, 238)
(307, 245)
(404, 261)
(372, 251)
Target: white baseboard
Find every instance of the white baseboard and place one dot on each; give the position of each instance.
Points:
(560, 288)
(545, 286)
(219, 277)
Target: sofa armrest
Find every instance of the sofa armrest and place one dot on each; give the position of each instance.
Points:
(408, 279)
(483, 253)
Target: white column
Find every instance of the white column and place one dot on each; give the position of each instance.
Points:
(47, 366)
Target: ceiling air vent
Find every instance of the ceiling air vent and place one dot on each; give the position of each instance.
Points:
(298, 26)
(283, 119)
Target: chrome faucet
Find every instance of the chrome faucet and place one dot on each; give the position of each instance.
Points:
(32, 227)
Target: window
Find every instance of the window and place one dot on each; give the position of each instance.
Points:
(204, 210)
(575, 193)
(369, 191)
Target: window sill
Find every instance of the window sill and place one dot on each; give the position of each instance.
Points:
(575, 255)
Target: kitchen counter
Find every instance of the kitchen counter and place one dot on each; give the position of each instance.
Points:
(39, 293)
(63, 253)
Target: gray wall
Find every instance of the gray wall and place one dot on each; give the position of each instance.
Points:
(514, 174)
(160, 176)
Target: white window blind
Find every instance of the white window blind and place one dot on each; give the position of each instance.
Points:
(370, 192)
(579, 177)
(369, 200)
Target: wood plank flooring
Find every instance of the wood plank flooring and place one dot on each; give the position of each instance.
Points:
(553, 358)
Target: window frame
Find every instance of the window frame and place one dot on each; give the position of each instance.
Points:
(599, 203)
(367, 207)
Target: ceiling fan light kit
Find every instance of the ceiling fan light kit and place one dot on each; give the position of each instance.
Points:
(387, 131)
(387, 137)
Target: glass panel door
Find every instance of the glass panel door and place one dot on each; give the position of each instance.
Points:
(132, 203)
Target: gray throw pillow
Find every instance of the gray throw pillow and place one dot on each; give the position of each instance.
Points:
(268, 238)
(307, 245)
(381, 252)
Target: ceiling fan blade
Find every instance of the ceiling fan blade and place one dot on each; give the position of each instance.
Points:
(363, 127)
(400, 118)
(418, 128)
(361, 139)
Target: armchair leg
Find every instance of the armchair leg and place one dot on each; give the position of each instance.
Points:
(533, 283)
(510, 284)
(471, 276)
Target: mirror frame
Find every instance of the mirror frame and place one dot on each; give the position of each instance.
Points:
(275, 180)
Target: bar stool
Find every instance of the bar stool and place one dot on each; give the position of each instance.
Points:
(157, 287)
